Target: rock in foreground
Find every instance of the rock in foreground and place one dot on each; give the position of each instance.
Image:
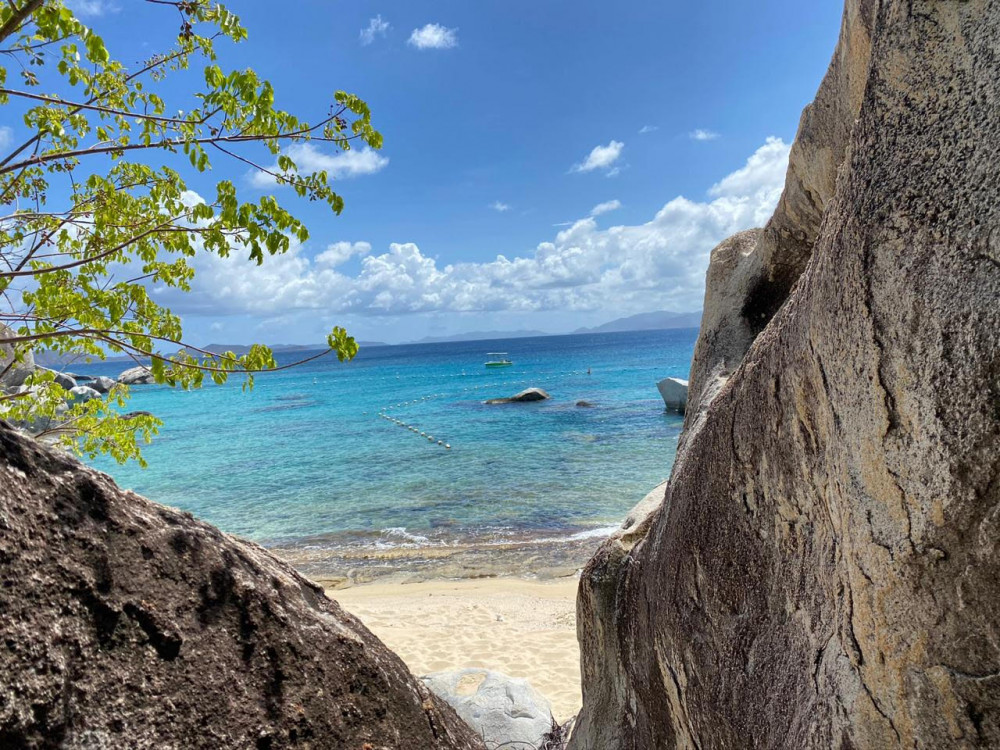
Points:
(501, 709)
(128, 624)
(528, 394)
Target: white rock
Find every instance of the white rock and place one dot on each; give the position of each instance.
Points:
(83, 393)
(500, 708)
(674, 392)
(137, 376)
(102, 384)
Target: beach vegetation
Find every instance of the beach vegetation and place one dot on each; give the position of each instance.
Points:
(97, 219)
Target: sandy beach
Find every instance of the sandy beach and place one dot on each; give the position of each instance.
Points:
(523, 628)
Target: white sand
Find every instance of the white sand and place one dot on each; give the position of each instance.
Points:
(521, 628)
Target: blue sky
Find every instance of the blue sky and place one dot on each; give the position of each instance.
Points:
(505, 125)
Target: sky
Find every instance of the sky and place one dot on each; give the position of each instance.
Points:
(547, 165)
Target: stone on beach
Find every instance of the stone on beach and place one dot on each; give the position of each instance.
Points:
(528, 394)
(60, 378)
(500, 708)
(674, 392)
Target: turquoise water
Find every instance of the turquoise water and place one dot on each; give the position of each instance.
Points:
(305, 459)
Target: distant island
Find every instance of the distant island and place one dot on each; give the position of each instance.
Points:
(648, 322)
(480, 336)
(661, 319)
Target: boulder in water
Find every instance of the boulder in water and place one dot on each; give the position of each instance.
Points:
(102, 384)
(674, 392)
(528, 394)
(140, 375)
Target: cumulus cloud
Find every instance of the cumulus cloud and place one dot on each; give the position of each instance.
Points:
(702, 135)
(603, 208)
(340, 252)
(342, 164)
(498, 206)
(601, 157)
(659, 264)
(648, 129)
(433, 36)
(6, 136)
(376, 27)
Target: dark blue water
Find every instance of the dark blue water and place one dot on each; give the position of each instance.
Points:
(306, 458)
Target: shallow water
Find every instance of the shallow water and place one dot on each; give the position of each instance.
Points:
(305, 463)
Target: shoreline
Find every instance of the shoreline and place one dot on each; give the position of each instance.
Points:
(528, 557)
(521, 627)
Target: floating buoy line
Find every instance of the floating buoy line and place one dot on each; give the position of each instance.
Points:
(384, 411)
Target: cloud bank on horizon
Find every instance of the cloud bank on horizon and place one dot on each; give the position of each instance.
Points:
(623, 269)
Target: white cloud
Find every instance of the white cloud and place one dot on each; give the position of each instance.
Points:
(6, 136)
(342, 164)
(659, 264)
(762, 173)
(601, 157)
(434, 36)
(603, 208)
(648, 129)
(702, 135)
(91, 7)
(340, 252)
(498, 206)
(376, 27)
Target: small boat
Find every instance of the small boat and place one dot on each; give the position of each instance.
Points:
(498, 359)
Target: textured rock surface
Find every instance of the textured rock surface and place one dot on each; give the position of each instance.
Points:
(824, 570)
(127, 624)
(137, 376)
(752, 274)
(501, 709)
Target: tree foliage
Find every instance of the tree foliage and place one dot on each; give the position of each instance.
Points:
(95, 209)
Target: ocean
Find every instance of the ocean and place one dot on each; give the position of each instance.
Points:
(305, 463)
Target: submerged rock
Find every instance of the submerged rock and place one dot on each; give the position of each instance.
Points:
(501, 709)
(137, 376)
(128, 624)
(674, 392)
(585, 404)
(528, 394)
(822, 570)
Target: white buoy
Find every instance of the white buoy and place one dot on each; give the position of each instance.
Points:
(440, 442)
(446, 445)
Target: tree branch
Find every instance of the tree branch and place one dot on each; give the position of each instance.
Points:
(18, 17)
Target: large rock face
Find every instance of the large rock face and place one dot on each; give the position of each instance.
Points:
(752, 273)
(824, 569)
(127, 624)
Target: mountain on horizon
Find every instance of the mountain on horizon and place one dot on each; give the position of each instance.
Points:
(648, 322)
(479, 336)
